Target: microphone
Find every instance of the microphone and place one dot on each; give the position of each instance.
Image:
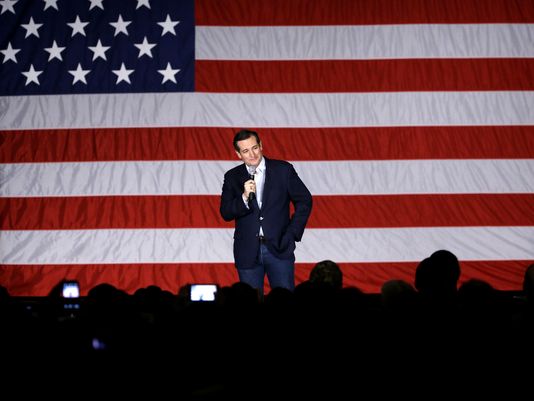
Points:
(252, 195)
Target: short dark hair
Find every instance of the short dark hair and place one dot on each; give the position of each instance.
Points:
(243, 134)
(327, 272)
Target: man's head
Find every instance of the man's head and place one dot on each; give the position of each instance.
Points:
(248, 147)
(327, 272)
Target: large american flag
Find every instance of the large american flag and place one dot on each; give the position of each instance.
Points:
(411, 122)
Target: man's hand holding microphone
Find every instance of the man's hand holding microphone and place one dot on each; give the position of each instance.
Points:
(249, 189)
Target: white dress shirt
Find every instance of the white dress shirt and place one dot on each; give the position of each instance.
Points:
(259, 178)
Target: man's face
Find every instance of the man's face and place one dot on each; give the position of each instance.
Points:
(250, 151)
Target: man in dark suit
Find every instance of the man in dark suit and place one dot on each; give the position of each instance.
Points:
(257, 196)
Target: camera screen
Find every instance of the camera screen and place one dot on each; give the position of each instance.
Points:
(203, 292)
(71, 289)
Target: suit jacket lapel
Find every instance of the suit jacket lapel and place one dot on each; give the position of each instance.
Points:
(244, 176)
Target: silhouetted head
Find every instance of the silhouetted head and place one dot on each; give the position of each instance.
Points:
(242, 295)
(438, 274)
(448, 265)
(104, 293)
(279, 296)
(397, 295)
(476, 294)
(327, 272)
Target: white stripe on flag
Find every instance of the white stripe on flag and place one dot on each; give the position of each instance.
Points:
(390, 177)
(364, 42)
(384, 109)
(191, 245)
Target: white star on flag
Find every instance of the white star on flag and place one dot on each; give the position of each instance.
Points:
(120, 26)
(99, 51)
(55, 51)
(32, 75)
(168, 74)
(79, 74)
(31, 28)
(168, 26)
(144, 48)
(78, 26)
(50, 3)
(141, 3)
(10, 53)
(96, 3)
(123, 74)
(7, 5)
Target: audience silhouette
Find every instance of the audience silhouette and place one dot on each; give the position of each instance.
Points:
(321, 324)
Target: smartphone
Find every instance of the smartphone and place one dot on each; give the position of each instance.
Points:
(203, 292)
(71, 289)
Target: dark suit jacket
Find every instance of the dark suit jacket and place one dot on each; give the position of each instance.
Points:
(282, 186)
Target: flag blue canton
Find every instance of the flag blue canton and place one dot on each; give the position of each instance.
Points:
(96, 46)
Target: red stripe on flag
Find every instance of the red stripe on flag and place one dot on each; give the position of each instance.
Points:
(38, 280)
(203, 212)
(381, 143)
(365, 75)
(101, 212)
(361, 12)
(422, 211)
